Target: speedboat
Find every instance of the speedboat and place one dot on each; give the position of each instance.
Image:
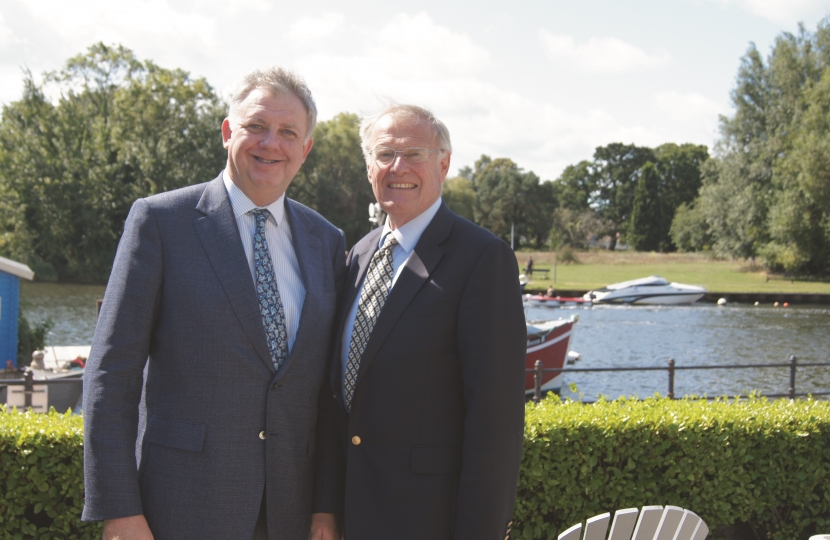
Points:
(548, 341)
(650, 290)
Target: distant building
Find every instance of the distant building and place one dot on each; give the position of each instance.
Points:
(10, 274)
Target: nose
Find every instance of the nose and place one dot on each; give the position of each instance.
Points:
(269, 139)
(399, 164)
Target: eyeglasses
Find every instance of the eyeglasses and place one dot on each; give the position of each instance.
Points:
(382, 154)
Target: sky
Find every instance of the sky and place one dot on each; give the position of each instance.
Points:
(541, 82)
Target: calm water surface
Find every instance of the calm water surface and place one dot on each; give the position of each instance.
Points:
(606, 336)
(700, 334)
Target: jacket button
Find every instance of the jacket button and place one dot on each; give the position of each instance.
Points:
(262, 435)
(355, 440)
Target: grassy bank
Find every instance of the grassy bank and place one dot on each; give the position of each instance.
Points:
(599, 268)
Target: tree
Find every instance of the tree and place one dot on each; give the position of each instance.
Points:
(333, 180)
(645, 232)
(616, 170)
(766, 192)
(576, 228)
(679, 170)
(508, 196)
(121, 129)
(689, 231)
(575, 186)
(460, 196)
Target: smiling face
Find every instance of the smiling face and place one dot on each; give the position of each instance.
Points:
(266, 142)
(405, 190)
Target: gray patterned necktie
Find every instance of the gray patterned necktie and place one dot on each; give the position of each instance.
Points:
(375, 290)
(270, 305)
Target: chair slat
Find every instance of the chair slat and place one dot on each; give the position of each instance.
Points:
(596, 527)
(688, 526)
(701, 532)
(572, 533)
(669, 523)
(648, 522)
(623, 525)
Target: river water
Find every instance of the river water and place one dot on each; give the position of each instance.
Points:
(605, 336)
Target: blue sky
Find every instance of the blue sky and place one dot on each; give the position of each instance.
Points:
(543, 83)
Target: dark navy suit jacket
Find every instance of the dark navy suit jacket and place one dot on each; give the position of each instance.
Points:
(434, 438)
(217, 426)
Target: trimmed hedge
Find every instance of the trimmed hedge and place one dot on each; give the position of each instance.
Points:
(763, 463)
(759, 462)
(41, 476)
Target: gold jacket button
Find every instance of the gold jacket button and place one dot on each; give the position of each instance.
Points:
(355, 440)
(262, 435)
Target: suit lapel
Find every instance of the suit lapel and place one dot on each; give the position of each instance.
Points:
(309, 254)
(415, 272)
(219, 234)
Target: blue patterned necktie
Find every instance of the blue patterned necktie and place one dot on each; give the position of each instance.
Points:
(375, 290)
(270, 305)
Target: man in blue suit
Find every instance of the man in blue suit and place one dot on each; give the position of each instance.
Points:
(201, 410)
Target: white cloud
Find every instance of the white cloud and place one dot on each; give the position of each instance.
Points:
(785, 12)
(693, 114)
(310, 29)
(600, 55)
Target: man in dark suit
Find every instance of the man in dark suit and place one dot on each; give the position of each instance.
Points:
(429, 368)
(201, 390)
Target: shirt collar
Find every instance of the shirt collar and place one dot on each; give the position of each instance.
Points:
(408, 234)
(241, 204)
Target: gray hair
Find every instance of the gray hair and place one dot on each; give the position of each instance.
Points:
(404, 111)
(278, 81)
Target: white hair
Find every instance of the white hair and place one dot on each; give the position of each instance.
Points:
(404, 111)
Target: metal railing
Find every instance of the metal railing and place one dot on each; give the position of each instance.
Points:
(28, 382)
(539, 371)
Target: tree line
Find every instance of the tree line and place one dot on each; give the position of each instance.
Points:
(78, 148)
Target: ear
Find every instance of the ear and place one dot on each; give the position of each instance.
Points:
(445, 167)
(307, 147)
(226, 132)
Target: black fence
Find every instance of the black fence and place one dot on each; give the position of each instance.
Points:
(671, 368)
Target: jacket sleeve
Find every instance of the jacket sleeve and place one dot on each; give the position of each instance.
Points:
(329, 459)
(113, 377)
(492, 343)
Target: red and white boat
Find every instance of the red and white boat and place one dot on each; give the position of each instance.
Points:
(548, 341)
(541, 300)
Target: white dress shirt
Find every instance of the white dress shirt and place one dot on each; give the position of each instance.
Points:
(407, 236)
(278, 237)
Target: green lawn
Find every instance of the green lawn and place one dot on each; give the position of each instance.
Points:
(598, 269)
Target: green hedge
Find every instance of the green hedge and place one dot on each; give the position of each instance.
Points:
(41, 476)
(763, 463)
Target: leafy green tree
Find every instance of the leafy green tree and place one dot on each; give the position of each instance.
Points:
(766, 191)
(679, 170)
(575, 185)
(645, 232)
(121, 129)
(460, 196)
(508, 196)
(689, 230)
(333, 179)
(576, 228)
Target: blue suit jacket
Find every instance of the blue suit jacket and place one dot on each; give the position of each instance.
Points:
(217, 424)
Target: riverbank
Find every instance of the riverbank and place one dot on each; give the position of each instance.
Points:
(597, 269)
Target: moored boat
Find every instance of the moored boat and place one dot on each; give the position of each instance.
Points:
(548, 341)
(541, 300)
(652, 290)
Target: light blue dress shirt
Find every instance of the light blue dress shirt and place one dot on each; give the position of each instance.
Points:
(407, 236)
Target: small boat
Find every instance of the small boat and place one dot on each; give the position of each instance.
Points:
(541, 300)
(548, 341)
(650, 290)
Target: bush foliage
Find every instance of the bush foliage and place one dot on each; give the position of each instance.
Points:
(41, 474)
(763, 463)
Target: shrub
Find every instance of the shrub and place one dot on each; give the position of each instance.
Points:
(567, 255)
(759, 462)
(30, 338)
(41, 474)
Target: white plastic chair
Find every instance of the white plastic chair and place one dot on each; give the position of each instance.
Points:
(654, 523)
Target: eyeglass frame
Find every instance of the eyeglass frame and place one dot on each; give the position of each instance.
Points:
(403, 154)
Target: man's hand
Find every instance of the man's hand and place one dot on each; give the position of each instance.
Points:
(128, 528)
(323, 527)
